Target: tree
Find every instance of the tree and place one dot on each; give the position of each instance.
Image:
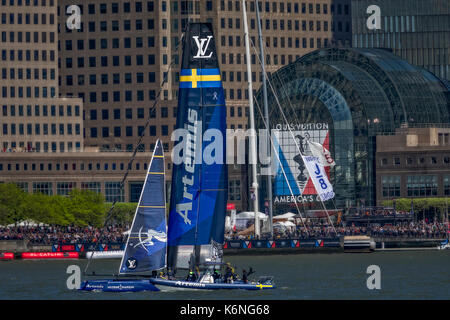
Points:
(420, 204)
(122, 213)
(12, 204)
(86, 207)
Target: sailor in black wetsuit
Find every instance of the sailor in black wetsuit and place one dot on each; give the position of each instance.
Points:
(216, 276)
(244, 276)
(228, 274)
(191, 277)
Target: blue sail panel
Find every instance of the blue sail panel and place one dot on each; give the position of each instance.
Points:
(199, 188)
(284, 179)
(147, 242)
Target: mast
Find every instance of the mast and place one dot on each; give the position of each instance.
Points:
(266, 120)
(199, 189)
(252, 159)
(448, 224)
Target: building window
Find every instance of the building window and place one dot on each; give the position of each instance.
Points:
(164, 130)
(390, 186)
(135, 191)
(421, 185)
(43, 187)
(64, 188)
(113, 192)
(129, 131)
(446, 180)
(22, 185)
(234, 190)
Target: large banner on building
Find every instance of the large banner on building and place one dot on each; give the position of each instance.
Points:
(291, 175)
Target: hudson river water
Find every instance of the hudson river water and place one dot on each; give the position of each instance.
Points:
(404, 275)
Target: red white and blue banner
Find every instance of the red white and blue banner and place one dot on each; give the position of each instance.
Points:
(294, 181)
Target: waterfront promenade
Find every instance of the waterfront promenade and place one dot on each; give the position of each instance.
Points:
(52, 238)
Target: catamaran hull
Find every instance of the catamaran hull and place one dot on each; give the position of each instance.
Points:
(210, 286)
(115, 254)
(111, 285)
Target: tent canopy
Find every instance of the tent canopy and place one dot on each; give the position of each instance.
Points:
(284, 224)
(246, 215)
(27, 223)
(288, 215)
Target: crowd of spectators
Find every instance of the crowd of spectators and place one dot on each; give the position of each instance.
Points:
(116, 234)
(377, 212)
(323, 230)
(64, 235)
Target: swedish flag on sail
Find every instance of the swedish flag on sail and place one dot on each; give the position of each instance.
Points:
(200, 78)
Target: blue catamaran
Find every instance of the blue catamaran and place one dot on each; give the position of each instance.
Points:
(146, 245)
(195, 233)
(200, 179)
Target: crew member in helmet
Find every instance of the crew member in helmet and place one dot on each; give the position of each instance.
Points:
(191, 276)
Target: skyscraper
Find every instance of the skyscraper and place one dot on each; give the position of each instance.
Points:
(33, 117)
(118, 58)
(112, 68)
(415, 30)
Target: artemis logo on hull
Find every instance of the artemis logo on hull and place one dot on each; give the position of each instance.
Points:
(202, 47)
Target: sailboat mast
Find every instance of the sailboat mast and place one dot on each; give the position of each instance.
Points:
(448, 223)
(252, 156)
(266, 120)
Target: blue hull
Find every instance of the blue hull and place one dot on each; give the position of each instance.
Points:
(112, 285)
(211, 286)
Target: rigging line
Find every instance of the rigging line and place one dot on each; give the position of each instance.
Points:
(130, 162)
(295, 141)
(294, 113)
(277, 75)
(267, 79)
(284, 173)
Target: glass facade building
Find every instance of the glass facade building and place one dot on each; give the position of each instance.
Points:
(350, 96)
(416, 30)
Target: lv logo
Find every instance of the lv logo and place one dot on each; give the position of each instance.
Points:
(202, 47)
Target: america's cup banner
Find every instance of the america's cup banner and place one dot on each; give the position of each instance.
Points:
(292, 182)
(319, 177)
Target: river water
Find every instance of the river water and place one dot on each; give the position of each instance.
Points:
(404, 275)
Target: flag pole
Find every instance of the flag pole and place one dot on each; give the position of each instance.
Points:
(254, 193)
(266, 120)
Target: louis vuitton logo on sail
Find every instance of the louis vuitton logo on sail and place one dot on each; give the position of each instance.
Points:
(202, 47)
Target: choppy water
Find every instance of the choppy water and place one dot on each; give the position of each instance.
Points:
(404, 275)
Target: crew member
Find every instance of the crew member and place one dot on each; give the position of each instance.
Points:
(191, 276)
(216, 276)
(244, 276)
(230, 275)
(197, 273)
